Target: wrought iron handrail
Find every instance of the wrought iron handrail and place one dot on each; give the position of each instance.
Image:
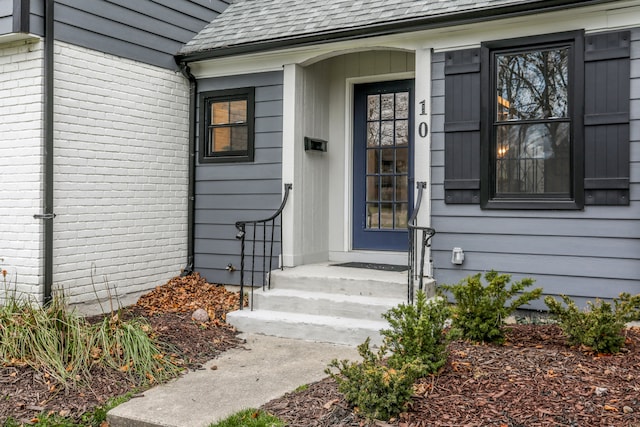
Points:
(425, 234)
(242, 233)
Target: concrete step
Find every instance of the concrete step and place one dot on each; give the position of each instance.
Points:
(309, 327)
(342, 280)
(325, 304)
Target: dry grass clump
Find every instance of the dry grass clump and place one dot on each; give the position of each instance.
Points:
(65, 346)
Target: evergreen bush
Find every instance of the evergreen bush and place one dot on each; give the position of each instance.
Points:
(480, 310)
(416, 334)
(601, 326)
(376, 390)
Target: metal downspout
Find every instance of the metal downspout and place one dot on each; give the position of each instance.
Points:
(48, 149)
(193, 93)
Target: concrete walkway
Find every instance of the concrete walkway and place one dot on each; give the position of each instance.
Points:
(266, 368)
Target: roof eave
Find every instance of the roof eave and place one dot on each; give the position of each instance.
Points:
(390, 28)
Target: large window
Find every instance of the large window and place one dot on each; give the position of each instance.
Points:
(539, 122)
(531, 124)
(226, 125)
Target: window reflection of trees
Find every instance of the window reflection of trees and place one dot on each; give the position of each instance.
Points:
(387, 133)
(532, 122)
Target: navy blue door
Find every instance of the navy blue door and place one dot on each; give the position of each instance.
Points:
(382, 164)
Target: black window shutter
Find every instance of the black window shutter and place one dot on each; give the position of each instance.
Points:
(462, 126)
(606, 119)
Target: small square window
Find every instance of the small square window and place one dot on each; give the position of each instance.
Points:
(226, 126)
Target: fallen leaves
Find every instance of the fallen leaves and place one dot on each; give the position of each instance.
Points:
(421, 388)
(330, 403)
(460, 366)
(189, 293)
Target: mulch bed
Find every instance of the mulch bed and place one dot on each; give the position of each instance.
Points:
(535, 379)
(25, 392)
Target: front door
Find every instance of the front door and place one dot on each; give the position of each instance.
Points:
(382, 165)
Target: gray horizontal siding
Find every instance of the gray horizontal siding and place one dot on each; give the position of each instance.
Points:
(219, 230)
(587, 247)
(6, 8)
(6, 16)
(203, 247)
(585, 254)
(236, 201)
(527, 225)
(221, 216)
(245, 186)
(541, 263)
(6, 25)
(216, 275)
(14, 17)
(226, 193)
(150, 31)
(36, 19)
(236, 172)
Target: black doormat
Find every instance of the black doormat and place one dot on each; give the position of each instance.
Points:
(371, 266)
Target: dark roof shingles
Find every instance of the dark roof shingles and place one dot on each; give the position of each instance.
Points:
(250, 21)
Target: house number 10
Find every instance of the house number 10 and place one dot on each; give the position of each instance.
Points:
(423, 128)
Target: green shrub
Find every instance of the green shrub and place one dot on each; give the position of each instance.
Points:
(416, 334)
(480, 311)
(250, 418)
(599, 327)
(381, 389)
(375, 389)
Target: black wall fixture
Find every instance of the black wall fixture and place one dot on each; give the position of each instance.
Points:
(314, 144)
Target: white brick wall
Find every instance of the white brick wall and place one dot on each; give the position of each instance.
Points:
(21, 96)
(121, 174)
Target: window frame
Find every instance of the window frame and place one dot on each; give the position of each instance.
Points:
(206, 100)
(489, 50)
